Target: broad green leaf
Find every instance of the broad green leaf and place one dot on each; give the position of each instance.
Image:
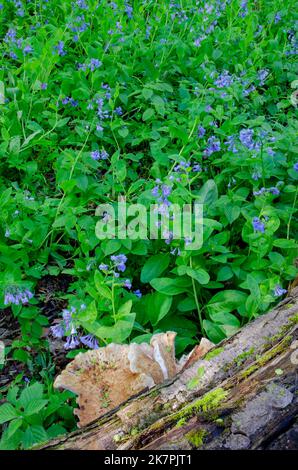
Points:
(208, 193)
(116, 333)
(148, 114)
(34, 434)
(13, 426)
(213, 331)
(35, 406)
(225, 318)
(157, 307)
(169, 286)
(227, 301)
(186, 305)
(32, 392)
(7, 413)
(154, 267)
(125, 308)
(198, 274)
(89, 314)
(102, 288)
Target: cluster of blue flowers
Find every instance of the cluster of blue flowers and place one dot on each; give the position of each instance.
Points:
(118, 266)
(99, 155)
(67, 328)
(15, 295)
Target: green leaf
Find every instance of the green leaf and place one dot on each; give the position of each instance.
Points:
(111, 246)
(120, 170)
(15, 144)
(284, 243)
(208, 193)
(4, 198)
(169, 286)
(116, 333)
(123, 132)
(32, 392)
(125, 308)
(186, 305)
(198, 274)
(102, 288)
(13, 426)
(154, 267)
(34, 435)
(214, 332)
(89, 314)
(225, 318)
(184, 327)
(159, 104)
(157, 307)
(7, 413)
(226, 301)
(148, 114)
(35, 406)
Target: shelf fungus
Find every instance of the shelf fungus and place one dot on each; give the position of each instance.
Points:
(106, 377)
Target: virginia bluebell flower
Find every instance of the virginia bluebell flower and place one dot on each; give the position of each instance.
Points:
(127, 283)
(197, 168)
(213, 145)
(103, 267)
(246, 138)
(119, 111)
(279, 291)
(201, 131)
(256, 175)
(95, 64)
(14, 295)
(258, 225)
(259, 192)
(27, 49)
(224, 80)
(90, 341)
(72, 342)
(119, 262)
(262, 75)
(138, 293)
(60, 48)
(58, 330)
(231, 143)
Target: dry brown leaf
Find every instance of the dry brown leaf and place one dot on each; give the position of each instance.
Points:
(105, 377)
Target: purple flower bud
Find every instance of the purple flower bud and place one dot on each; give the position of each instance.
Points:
(138, 293)
(127, 284)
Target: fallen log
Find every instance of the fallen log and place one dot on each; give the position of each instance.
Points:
(241, 395)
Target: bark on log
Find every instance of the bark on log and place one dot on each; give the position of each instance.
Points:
(241, 395)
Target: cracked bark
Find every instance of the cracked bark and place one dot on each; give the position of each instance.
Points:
(245, 399)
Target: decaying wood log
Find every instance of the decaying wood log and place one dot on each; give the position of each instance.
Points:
(241, 395)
